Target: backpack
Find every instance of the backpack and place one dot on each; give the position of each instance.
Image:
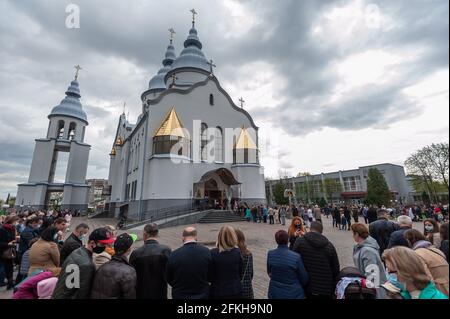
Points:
(356, 290)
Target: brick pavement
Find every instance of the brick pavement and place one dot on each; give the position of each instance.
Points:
(260, 239)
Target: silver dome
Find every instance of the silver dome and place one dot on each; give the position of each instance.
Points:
(157, 82)
(70, 105)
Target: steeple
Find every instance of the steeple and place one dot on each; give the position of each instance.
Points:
(192, 55)
(157, 82)
(71, 105)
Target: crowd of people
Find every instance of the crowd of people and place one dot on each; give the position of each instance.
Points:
(391, 259)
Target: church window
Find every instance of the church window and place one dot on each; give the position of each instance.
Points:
(72, 127)
(218, 144)
(204, 141)
(211, 99)
(60, 129)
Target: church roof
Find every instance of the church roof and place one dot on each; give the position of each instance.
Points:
(245, 141)
(70, 105)
(191, 56)
(157, 82)
(171, 126)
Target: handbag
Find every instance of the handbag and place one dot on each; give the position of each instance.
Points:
(9, 253)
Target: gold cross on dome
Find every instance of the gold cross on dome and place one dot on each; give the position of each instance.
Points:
(78, 68)
(211, 65)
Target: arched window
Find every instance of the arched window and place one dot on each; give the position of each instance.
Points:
(60, 132)
(204, 141)
(72, 127)
(218, 144)
(211, 99)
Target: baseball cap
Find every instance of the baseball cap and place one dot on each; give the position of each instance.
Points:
(123, 242)
(102, 236)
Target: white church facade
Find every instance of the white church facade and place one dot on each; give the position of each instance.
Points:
(191, 143)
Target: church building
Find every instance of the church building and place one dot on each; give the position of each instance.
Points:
(191, 144)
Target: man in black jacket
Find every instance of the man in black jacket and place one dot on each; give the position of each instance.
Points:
(189, 268)
(321, 262)
(78, 271)
(74, 241)
(150, 262)
(372, 214)
(397, 238)
(382, 229)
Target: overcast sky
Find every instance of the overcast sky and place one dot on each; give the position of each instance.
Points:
(332, 84)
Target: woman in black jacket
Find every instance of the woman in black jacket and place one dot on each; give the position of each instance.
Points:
(226, 266)
(7, 240)
(247, 266)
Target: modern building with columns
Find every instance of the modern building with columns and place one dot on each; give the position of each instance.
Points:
(352, 185)
(66, 130)
(190, 144)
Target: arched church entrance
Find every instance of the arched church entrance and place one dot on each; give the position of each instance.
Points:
(214, 191)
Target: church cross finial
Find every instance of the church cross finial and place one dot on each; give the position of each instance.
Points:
(193, 16)
(242, 102)
(173, 77)
(172, 32)
(211, 66)
(78, 68)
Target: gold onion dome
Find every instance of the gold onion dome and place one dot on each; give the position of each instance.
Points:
(171, 125)
(113, 151)
(119, 141)
(244, 140)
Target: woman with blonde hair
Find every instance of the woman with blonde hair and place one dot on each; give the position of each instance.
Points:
(247, 269)
(226, 266)
(413, 281)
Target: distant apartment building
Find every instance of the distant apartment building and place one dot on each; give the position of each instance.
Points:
(97, 196)
(350, 186)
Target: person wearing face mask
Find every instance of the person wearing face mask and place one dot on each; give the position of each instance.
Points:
(431, 232)
(116, 279)
(74, 241)
(81, 268)
(408, 274)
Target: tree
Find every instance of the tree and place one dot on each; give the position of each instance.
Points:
(431, 166)
(425, 198)
(278, 193)
(322, 202)
(331, 186)
(377, 189)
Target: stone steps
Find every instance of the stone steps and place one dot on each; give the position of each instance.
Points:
(220, 216)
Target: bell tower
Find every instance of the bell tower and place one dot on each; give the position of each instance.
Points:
(65, 134)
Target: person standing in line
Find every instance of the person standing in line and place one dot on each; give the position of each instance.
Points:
(372, 214)
(397, 237)
(276, 215)
(366, 256)
(116, 279)
(410, 273)
(44, 254)
(431, 232)
(365, 212)
(189, 268)
(348, 217)
(227, 266)
(355, 213)
(336, 217)
(247, 266)
(265, 213)
(317, 213)
(81, 258)
(443, 230)
(248, 214)
(285, 268)
(296, 230)
(150, 262)
(74, 241)
(382, 229)
(282, 215)
(321, 262)
(271, 219)
(8, 239)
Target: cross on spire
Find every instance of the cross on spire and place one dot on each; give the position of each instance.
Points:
(172, 32)
(174, 78)
(242, 102)
(78, 68)
(211, 65)
(193, 16)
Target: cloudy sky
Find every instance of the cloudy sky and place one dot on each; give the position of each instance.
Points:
(331, 84)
